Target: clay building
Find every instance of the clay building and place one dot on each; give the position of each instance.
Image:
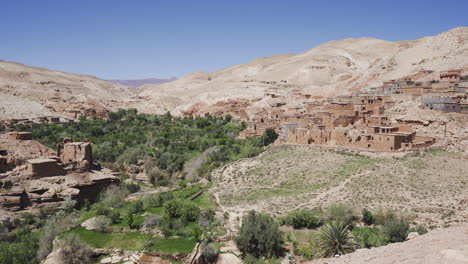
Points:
(19, 135)
(441, 103)
(78, 154)
(450, 75)
(37, 168)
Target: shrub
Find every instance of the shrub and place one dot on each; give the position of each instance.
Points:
(382, 216)
(368, 237)
(132, 187)
(182, 209)
(102, 209)
(68, 205)
(53, 227)
(114, 216)
(421, 230)
(303, 219)
(396, 230)
(335, 239)
(28, 218)
(367, 217)
(341, 213)
(152, 221)
(210, 253)
(259, 236)
(136, 207)
(152, 201)
(100, 224)
(114, 197)
(74, 251)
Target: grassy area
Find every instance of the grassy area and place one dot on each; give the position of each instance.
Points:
(134, 241)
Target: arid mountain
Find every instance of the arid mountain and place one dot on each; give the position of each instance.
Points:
(141, 82)
(27, 92)
(337, 67)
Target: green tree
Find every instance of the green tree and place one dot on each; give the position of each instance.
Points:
(259, 236)
(396, 230)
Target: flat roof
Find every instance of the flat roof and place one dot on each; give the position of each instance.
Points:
(37, 161)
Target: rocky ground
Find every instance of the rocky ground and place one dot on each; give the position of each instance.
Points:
(443, 246)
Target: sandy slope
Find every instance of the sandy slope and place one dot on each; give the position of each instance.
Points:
(26, 90)
(336, 67)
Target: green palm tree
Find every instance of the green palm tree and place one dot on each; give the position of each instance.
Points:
(335, 239)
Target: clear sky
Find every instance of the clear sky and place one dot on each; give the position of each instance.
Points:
(124, 39)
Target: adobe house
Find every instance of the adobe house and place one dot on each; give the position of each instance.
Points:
(19, 135)
(442, 104)
(77, 153)
(38, 168)
(450, 75)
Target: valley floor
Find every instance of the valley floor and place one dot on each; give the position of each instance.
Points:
(430, 187)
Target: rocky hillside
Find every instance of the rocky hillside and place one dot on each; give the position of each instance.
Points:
(337, 67)
(27, 92)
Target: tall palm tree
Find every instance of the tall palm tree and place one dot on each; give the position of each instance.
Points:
(335, 239)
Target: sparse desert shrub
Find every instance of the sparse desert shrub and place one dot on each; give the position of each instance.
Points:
(341, 213)
(367, 217)
(56, 224)
(114, 216)
(420, 229)
(152, 221)
(259, 236)
(335, 239)
(68, 205)
(100, 224)
(152, 201)
(132, 187)
(382, 216)
(396, 230)
(74, 251)
(210, 253)
(136, 207)
(114, 197)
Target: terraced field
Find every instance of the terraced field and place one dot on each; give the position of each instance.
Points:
(429, 186)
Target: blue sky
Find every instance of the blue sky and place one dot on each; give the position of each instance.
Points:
(123, 39)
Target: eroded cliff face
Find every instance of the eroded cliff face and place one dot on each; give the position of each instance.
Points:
(34, 176)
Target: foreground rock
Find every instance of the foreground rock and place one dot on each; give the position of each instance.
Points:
(448, 245)
(33, 176)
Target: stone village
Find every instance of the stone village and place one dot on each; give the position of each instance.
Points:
(358, 121)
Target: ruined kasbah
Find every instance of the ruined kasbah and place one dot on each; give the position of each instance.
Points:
(360, 121)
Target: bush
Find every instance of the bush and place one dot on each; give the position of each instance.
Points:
(335, 239)
(152, 221)
(28, 218)
(341, 213)
(152, 201)
(304, 219)
(102, 209)
(367, 217)
(421, 230)
(74, 251)
(114, 216)
(182, 209)
(210, 253)
(136, 207)
(396, 230)
(56, 225)
(132, 187)
(382, 216)
(368, 237)
(100, 224)
(68, 205)
(114, 197)
(259, 236)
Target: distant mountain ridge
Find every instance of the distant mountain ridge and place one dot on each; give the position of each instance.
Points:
(140, 82)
